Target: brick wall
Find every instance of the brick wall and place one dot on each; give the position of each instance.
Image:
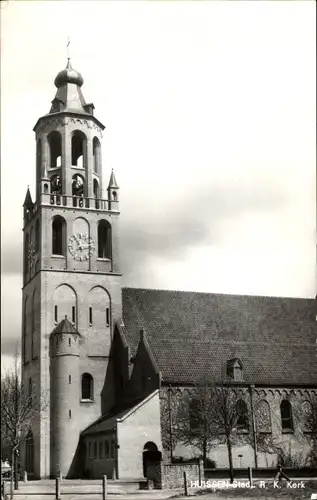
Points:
(172, 475)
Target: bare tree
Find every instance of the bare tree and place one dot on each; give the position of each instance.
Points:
(169, 400)
(19, 410)
(210, 414)
(228, 413)
(194, 419)
(309, 409)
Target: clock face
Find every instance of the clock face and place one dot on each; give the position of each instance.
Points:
(81, 246)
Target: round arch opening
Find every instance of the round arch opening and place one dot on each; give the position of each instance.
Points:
(150, 454)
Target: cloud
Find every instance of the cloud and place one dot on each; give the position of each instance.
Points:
(171, 228)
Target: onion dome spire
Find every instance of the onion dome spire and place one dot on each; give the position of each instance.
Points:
(69, 96)
(68, 75)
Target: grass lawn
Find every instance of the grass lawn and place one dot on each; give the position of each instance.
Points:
(269, 491)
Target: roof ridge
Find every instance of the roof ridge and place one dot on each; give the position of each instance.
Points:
(217, 293)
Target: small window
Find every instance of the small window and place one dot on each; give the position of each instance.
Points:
(69, 379)
(70, 413)
(242, 415)
(73, 314)
(90, 316)
(286, 416)
(55, 314)
(58, 234)
(87, 387)
(69, 342)
(107, 316)
(104, 240)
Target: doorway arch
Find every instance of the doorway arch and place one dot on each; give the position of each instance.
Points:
(29, 454)
(150, 454)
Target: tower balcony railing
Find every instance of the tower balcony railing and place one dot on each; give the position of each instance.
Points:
(83, 202)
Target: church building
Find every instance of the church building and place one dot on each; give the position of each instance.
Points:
(108, 359)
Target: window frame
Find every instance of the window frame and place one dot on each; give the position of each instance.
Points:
(84, 380)
(287, 429)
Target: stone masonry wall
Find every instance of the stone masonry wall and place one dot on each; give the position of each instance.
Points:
(172, 475)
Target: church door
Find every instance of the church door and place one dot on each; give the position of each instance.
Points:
(150, 454)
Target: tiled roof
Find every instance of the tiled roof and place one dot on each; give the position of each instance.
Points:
(108, 421)
(193, 335)
(65, 326)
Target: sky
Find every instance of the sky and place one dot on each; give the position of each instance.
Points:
(210, 115)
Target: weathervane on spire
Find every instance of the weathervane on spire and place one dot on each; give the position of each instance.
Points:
(68, 49)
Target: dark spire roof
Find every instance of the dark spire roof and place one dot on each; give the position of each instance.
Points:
(68, 75)
(112, 181)
(65, 326)
(28, 203)
(69, 96)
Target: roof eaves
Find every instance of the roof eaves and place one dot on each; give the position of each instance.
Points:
(135, 408)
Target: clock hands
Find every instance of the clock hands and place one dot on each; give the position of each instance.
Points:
(81, 246)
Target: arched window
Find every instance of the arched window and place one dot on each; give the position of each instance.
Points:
(78, 185)
(78, 149)
(104, 240)
(31, 247)
(54, 140)
(33, 326)
(59, 236)
(263, 417)
(242, 415)
(26, 252)
(24, 340)
(286, 416)
(78, 188)
(38, 160)
(37, 235)
(96, 193)
(87, 387)
(56, 184)
(97, 155)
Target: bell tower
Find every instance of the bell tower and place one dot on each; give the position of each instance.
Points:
(71, 268)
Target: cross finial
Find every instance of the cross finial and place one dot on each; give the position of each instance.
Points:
(68, 49)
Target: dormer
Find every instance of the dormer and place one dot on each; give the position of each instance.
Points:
(235, 370)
